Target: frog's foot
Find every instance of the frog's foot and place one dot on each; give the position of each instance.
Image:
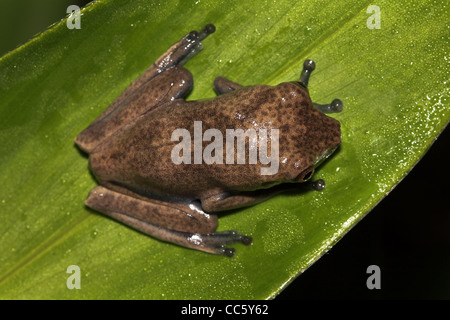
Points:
(183, 224)
(317, 185)
(335, 106)
(308, 67)
(184, 49)
(223, 85)
(215, 242)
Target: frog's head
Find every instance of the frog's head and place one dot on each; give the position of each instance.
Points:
(313, 136)
(314, 149)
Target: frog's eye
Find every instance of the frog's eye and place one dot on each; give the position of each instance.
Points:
(305, 175)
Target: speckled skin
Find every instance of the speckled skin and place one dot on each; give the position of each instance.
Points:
(130, 147)
(146, 166)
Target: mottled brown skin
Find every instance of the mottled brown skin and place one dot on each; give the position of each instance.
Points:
(130, 147)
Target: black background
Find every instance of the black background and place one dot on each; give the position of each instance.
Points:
(407, 235)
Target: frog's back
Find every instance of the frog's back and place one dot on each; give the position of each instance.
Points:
(140, 156)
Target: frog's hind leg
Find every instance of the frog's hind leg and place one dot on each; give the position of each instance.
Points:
(176, 55)
(163, 81)
(172, 84)
(183, 224)
(308, 67)
(223, 85)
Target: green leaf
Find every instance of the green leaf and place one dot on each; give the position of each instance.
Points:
(393, 81)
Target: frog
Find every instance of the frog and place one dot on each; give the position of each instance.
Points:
(129, 148)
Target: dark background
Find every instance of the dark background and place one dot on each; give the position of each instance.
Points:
(407, 235)
(21, 20)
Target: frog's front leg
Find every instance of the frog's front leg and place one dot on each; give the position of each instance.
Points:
(335, 106)
(183, 224)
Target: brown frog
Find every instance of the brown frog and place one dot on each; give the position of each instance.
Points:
(151, 182)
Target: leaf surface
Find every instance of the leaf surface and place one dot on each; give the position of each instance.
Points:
(393, 81)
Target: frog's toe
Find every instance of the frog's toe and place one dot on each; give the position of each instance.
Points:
(216, 242)
(227, 237)
(190, 45)
(184, 49)
(207, 30)
(308, 67)
(335, 106)
(318, 185)
(202, 34)
(229, 252)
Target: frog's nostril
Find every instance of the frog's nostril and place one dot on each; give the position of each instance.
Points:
(335, 106)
